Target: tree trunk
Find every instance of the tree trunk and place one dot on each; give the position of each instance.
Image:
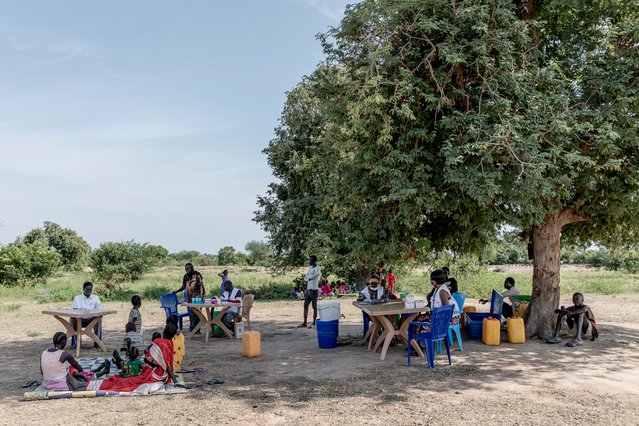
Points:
(362, 274)
(540, 316)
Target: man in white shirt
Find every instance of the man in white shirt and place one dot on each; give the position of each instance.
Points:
(310, 295)
(87, 301)
(233, 295)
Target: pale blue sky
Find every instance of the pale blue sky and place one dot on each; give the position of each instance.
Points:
(146, 119)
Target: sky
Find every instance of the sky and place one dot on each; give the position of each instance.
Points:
(146, 119)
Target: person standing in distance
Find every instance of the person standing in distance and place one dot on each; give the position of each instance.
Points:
(310, 295)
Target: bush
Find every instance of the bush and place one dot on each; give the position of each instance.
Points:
(72, 248)
(115, 263)
(271, 291)
(25, 263)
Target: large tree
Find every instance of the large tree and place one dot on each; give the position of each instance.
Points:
(461, 116)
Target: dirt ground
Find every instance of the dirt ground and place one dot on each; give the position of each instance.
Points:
(295, 382)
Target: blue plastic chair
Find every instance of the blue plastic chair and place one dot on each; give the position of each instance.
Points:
(460, 298)
(440, 320)
(169, 303)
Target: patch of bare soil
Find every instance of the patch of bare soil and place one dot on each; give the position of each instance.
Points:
(295, 382)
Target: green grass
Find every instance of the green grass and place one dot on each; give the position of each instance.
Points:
(32, 333)
(266, 286)
(10, 307)
(584, 280)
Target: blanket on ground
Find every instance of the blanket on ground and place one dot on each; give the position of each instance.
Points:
(90, 363)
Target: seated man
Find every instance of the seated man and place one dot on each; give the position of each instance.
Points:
(233, 295)
(374, 290)
(87, 301)
(576, 314)
(507, 310)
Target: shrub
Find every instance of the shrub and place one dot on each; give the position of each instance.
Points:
(72, 248)
(114, 263)
(25, 263)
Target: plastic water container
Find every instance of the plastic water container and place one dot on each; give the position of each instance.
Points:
(491, 332)
(516, 331)
(251, 344)
(329, 311)
(327, 333)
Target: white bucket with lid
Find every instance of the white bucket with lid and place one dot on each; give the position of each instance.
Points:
(329, 311)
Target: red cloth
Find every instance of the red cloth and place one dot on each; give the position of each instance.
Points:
(161, 353)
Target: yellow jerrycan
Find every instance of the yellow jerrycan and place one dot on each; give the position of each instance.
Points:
(516, 331)
(251, 344)
(490, 332)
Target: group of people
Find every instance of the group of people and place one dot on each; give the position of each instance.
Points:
(193, 283)
(143, 364)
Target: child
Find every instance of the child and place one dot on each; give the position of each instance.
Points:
(295, 292)
(132, 338)
(179, 349)
(578, 315)
(133, 366)
(342, 287)
(134, 315)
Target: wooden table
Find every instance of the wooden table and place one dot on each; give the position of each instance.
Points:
(97, 314)
(382, 317)
(208, 319)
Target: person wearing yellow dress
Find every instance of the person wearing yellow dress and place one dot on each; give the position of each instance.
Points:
(179, 349)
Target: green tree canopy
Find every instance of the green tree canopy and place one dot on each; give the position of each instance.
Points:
(433, 123)
(71, 247)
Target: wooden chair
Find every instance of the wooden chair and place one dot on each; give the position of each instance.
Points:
(245, 309)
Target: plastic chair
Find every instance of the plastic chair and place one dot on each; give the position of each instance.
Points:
(520, 299)
(460, 298)
(245, 310)
(169, 302)
(440, 320)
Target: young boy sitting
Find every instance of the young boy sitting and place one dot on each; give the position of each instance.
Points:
(575, 315)
(133, 338)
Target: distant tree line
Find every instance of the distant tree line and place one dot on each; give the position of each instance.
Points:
(510, 249)
(51, 249)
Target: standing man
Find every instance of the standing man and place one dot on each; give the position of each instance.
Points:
(192, 282)
(310, 295)
(87, 301)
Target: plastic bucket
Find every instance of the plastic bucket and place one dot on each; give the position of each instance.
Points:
(327, 333)
(328, 311)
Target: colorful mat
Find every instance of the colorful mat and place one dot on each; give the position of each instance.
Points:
(87, 364)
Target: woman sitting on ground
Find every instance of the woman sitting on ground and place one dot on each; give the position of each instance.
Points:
(61, 371)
